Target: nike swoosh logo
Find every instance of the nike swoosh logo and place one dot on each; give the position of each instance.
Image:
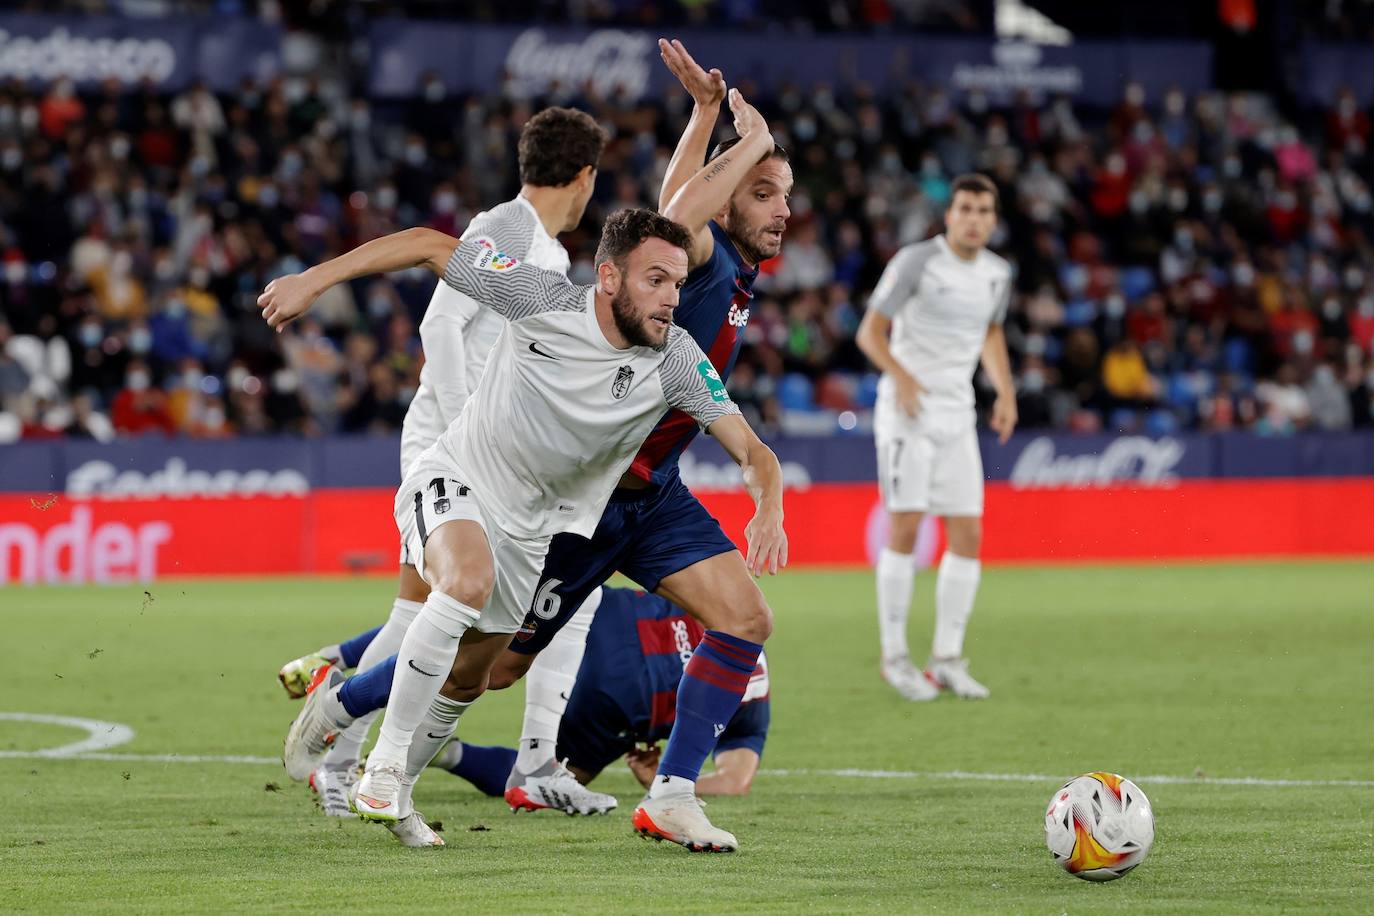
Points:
(411, 663)
(563, 695)
(534, 348)
(434, 736)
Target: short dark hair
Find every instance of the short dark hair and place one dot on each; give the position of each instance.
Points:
(627, 229)
(558, 143)
(724, 146)
(974, 183)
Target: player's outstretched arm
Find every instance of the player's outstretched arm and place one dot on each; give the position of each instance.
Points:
(287, 298)
(733, 774)
(708, 191)
(764, 535)
(707, 91)
(997, 364)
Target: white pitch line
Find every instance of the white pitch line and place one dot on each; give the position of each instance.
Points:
(945, 775)
(103, 735)
(99, 735)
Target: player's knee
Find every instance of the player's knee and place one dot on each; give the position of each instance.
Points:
(965, 537)
(471, 586)
(752, 620)
(509, 668)
(903, 529)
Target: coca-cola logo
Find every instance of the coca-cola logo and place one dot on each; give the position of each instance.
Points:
(612, 61)
(1150, 462)
(61, 53)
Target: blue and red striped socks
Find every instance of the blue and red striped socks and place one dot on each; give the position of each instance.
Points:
(713, 683)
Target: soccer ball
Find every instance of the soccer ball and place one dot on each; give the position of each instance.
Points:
(1099, 826)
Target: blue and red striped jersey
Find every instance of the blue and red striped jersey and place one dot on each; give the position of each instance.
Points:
(666, 637)
(714, 308)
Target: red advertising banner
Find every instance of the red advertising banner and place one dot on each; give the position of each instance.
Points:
(60, 540)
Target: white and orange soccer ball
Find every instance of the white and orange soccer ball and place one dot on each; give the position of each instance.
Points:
(1099, 826)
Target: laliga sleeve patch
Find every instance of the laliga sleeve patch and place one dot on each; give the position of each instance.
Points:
(489, 258)
(712, 379)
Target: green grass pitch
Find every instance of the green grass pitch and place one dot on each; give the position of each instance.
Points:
(1200, 673)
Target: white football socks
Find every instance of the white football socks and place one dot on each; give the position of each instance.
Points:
(422, 665)
(349, 744)
(549, 685)
(437, 726)
(895, 575)
(956, 585)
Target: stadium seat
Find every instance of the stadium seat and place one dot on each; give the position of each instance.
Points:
(795, 393)
(867, 393)
(1160, 423)
(836, 391)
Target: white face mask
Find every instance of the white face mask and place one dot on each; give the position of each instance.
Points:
(138, 380)
(386, 198)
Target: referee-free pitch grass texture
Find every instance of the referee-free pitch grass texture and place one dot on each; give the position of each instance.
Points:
(1200, 673)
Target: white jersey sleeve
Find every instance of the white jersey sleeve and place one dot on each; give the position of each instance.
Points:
(901, 278)
(691, 384)
(506, 284)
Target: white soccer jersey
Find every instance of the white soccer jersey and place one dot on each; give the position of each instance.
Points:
(458, 334)
(559, 413)
(941, 307)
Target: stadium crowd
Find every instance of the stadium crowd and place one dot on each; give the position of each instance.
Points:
(1181, 262)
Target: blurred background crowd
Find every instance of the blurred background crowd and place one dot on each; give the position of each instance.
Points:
(1182, 262)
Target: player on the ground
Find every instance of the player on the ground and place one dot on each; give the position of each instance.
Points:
(625, 694)
(559, 150)
(578, 379)
(943, 301)
(654, 530)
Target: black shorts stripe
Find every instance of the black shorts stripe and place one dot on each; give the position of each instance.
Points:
(420, 518)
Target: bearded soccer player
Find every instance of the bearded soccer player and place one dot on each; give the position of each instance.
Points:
(937, 310)
(579, 377)
(559, 150)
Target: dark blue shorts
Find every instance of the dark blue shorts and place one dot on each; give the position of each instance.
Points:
(597, 729)
(646, 534)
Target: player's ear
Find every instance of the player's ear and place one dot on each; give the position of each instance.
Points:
(607, 278)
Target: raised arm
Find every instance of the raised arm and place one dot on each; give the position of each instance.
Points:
(287, 298)
(707, 91)
(708, 191)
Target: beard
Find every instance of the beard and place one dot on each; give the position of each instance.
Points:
(751, 241)
(630, 326)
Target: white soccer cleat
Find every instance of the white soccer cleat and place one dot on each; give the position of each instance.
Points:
(296, 674)
(316, 725)
(952, 674)
(680, 819)
(413, 831)
(908, 680)
(334, 788)
(377, 796)
(554, 786)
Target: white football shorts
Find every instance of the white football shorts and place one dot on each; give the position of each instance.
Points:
(433, 495)
(928, 464)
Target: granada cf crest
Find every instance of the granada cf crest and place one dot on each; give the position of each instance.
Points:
(621, 386)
